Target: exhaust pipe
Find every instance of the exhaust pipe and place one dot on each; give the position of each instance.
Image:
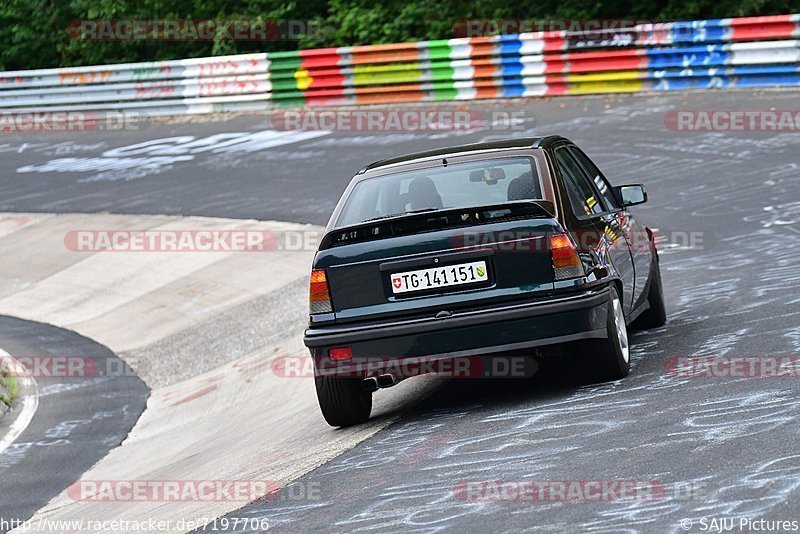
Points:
(370, 384)
(374, 383)
(386, 381)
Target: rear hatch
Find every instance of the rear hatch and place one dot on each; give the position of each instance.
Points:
(448, 260)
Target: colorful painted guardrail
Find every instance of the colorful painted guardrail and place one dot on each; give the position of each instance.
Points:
(750, 51)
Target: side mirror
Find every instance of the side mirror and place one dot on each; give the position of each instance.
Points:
(630, 195)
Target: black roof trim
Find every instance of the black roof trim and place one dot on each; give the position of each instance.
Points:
(522, 142)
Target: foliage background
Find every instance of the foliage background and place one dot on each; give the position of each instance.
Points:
(33, 33)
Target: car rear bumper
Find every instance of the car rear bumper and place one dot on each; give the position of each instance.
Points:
(500, 329)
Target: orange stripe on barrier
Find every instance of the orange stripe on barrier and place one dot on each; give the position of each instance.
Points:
(488, 71)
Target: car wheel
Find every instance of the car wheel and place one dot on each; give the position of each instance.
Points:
(656, 315)
(343, 401)
(611, 359)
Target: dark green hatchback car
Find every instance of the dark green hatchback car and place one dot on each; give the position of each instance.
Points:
(476, 251)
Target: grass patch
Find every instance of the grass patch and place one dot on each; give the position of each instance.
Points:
(8, 387)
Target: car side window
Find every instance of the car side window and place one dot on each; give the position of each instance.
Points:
(580, 192)
(596, 176)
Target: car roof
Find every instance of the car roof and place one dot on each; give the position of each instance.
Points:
(522, 142)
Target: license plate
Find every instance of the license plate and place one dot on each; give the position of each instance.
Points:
(451, 275)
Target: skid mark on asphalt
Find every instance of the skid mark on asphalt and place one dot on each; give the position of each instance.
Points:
(196, 395)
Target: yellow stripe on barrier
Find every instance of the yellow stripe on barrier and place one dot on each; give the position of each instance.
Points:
(618, 87)
(303, 79)
(368, 69)
(605, 76)
(403, 76)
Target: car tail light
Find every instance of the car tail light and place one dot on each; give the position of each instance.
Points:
(319, 296)
(566, 263)
(340, 353)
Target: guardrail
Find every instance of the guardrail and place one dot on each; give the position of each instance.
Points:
(750, 51)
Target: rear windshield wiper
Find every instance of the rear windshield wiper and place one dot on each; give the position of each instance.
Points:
(423, 210)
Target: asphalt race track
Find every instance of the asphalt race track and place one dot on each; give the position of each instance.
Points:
(728, 208)
(78, 420)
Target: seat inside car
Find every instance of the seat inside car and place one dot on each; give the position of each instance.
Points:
(523, 187)
(422, 194)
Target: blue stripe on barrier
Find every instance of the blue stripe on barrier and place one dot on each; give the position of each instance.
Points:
(511, 46)
(766, 69)
(752, 81)
(684, 73)
(510, 60)
(679, 83)
(511, 69)
(705, 35)
(511, 91)
(655, 52)
(698, 59)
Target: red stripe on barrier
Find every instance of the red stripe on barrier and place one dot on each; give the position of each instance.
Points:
(769, 19)
(555, 66)
(556, 89)
(599, 65)
(326, 71)
(318, 82)
(321, 61)
(764, 31)
(555, 44)
(313, 52)
(605, 54)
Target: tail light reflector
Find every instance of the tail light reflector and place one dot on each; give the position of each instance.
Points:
(566, 263)
(319, 296)
(340, 353)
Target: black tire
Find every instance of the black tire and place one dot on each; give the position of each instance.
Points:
(656, 315)
(610, 359)
(343, 401)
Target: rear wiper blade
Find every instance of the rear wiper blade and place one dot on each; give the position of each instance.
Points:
(412, 212)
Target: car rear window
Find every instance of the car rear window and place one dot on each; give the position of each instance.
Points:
(460, 185)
